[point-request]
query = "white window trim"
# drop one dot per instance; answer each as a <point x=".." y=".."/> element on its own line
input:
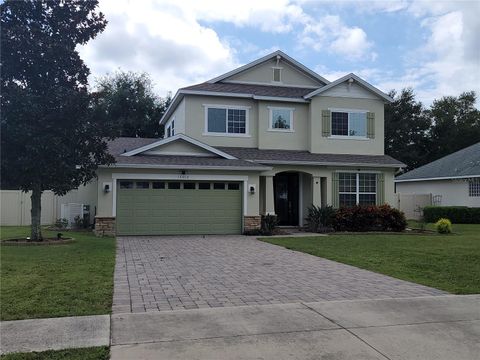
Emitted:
<point x="357" y="187"/>
<point x="348" y="111"/>
<point x="167" y="126"/>
<point x="270" y="119"/>
<point x="273" y="74"/>
<point x="227" y="107"/>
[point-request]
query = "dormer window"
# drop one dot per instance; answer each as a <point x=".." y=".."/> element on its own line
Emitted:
<point x="277" y="74"/>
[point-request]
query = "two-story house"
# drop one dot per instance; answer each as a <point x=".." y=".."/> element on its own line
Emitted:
<point x="271" y="137"/>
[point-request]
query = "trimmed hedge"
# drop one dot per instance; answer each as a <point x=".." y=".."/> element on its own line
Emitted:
<point x="456" y="214"/>
<point x="369" y="218"/>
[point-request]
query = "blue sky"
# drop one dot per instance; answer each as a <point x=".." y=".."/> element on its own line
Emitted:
<point x="431" y="46"/>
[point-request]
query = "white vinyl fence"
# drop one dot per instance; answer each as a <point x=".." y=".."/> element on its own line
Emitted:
<point x="412" y="204"/>
<point x="15" y="207"/>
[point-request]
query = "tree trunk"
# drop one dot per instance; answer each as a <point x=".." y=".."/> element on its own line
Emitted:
<point x="36" y="212"/>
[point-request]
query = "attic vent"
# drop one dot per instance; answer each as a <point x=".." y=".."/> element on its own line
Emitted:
<point x="277" y="74"/>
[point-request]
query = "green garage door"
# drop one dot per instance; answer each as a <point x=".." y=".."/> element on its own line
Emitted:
<point x="173" y="207"/>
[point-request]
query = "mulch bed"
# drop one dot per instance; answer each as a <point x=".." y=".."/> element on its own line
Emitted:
<point x="46" y="241"/>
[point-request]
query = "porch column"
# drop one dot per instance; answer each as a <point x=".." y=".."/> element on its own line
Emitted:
<point x="269" y="196"/>
<point x="316" y="191"/>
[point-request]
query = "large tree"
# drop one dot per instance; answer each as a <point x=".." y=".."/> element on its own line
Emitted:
<point x="49" y="138"/>
<point x="406" y="129"/>
<point x="128" y="100"/>
<point x="455" y="124"/>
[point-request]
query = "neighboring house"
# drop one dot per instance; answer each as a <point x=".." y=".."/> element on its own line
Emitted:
<point x="271" y="137"/>
<point x="453" y="180"/>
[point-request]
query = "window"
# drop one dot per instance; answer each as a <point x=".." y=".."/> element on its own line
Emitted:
<point x="226" y="120"/>
<point x="277" y="75"/>
<point x="357" y="189"/>
<point x="349" y="123"/>
<point x="219" y="186"/>
<point x="281" y="119"/>
<point x="204" y="186"/>
<point x="172" y="128"/>
<point x="174" y="185"/>
<point x="169" y="131"/>
<point x="142" y="185"/>
<point x="233" y="186"/>
<point x="158" y="185"/>
<point x="126" y="184"/>
<point x="474" y="187"/>
<point x="189" y="185"/>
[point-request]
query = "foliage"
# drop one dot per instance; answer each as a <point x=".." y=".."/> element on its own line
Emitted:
<point x="443" y="226"/>
<point x="93" y="353"/>
<point x="456" y="214"/>
<point x="406" y="126"/>
<point x="320" y="219"/>
<point x="49" y="136"/>
<point x="447" y="262"/>
<point x="56" y="280"/>
<point x="61" y="223"/>
<point x="416" y="135"/>
<point x="369" y="218"/>
<point x="127" y="99"/>
<point x="268" y="224"/>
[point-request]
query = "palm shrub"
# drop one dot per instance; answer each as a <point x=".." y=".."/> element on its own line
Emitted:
<point x="320" y="219"/>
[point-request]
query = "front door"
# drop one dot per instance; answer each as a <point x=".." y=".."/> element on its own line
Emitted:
<point x="286" y="198"/>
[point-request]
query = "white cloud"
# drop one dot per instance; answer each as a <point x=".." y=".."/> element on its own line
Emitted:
<point x="331" y="34"/>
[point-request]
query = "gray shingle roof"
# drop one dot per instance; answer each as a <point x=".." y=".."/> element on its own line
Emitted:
<point x="465" y="162"/>
<point x="291" y="156"/>
<point x="258" y="90"/>
<point x="246" y="157"/>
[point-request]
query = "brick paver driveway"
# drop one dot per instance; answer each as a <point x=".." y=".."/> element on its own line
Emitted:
<point x="156" y="273"/>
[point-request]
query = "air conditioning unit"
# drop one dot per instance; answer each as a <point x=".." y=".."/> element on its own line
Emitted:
<point x="71" y="210"/>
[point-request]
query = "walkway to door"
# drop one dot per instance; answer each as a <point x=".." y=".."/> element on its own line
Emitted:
<point x="157" y="273"/>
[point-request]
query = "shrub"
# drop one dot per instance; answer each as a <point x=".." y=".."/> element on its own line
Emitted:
<point x="369" y="218"/>
<point x="320" y="219"/>
<point x="268" y="224"/>
<point x="443" y="226"/>
<point x="456" y="214"/>
<point x="61" y="223"/>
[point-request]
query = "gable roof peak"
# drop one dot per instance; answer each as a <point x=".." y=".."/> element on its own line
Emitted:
<point x="267" y="57"/>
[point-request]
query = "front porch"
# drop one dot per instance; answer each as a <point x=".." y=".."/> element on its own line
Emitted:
<point x="289" y="193"/>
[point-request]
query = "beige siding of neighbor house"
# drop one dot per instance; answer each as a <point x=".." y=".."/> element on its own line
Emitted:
<point x="286" y="140"/>
<point x="453" y="192"/>
<point x="105" y="176"/>
<point x="263" y="74"/>
<point x="320" y="144"/>
<point x="195" y="126"/>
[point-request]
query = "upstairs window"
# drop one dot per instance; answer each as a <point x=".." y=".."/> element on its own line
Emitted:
<point x="349" y="123"/>
<point x="277" y="75"/>
<point x="281" y="119"/>
<point x="226" y="120"/>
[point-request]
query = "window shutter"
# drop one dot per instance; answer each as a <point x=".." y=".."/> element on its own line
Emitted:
<point x="371" y="125"/>
<point x="326" y="123"/>
<point x="380" y="189"/>
<point x="335" y="190"/>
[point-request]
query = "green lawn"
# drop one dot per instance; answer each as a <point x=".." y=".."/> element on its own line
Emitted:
<point x="94" y="353"/>
<point x="56" y="280"/>
<point x="447" y="262"/>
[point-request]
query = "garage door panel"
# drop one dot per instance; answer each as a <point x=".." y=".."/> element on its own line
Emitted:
<point x="178" y="211"/>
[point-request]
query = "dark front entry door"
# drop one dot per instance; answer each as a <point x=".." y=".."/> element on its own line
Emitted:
<point x="286" y="198"/>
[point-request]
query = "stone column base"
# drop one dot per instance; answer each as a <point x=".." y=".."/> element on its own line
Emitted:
<point x="251" y="222"/>
<point x="104" y="226"/>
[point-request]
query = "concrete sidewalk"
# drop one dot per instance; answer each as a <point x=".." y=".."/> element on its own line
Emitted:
<point x="437" y="327"/>
<point x="445" y="327"/>
<point x="54" y="333"/>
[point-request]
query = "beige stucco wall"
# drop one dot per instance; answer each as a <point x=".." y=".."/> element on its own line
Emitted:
<point x="272" y="139"/>
<point x="321" y="144"/>
<point x="105" y="200"/>
<point x="195" y="126"/>
<point x="85" y="194"/>
<point x="178" y="147"/>
<point x="263" y="73"/>
<point x="453" y="192"/>
<point x="179" y="117"/>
